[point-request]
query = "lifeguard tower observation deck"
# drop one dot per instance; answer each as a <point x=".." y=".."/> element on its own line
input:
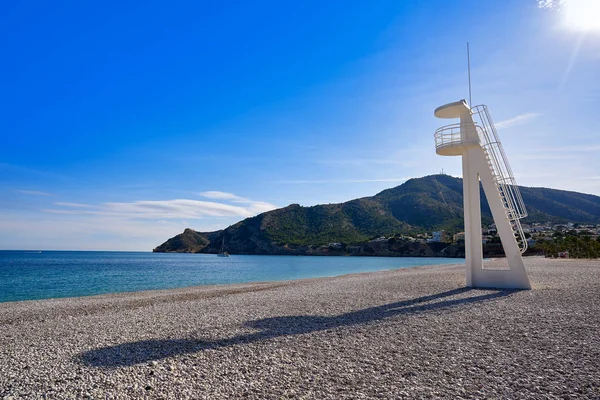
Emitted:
<point x="483" y="160"/>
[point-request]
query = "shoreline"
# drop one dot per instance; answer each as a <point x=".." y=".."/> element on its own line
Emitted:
<point x="205" y="277"/>
<point x="411" y="332"/>
<point x="224" y="288"/>
<point x="168" y="290"/>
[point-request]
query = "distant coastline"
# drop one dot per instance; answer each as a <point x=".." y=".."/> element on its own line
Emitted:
<point x="423" y="217"/>
<point x="376" y="248"/>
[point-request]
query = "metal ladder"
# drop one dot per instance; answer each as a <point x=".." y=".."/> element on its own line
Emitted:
<point x="504" y="179"/>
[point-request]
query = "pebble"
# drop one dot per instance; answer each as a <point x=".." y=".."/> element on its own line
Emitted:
<point x="410" y="333"/>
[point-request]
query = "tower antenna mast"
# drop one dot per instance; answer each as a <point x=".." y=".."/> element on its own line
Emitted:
<point x="469" y="73"/>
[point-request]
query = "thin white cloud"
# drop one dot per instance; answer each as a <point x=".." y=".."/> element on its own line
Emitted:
<point x="86" y="232"/>
<point x="550" y="4"/>
<point x="567" y="149"/>
<point x="165" y="209"/>
<point x="360" y="161"/>
<point x="518" y="120"/>
<point x="539" y="156"/>
<point x="216" y="195"/>
<point x="68" y="204"/>
<point x="251" y="206"/>
<point x="34" y="192"/>
<point x="258" y="207"/>
<point x="179" y="208"/>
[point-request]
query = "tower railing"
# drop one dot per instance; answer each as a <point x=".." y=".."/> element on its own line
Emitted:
<point x="447" y="135"/>
<point x="508" y="190"/>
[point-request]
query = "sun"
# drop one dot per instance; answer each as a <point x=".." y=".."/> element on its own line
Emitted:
<point x="582" y="15"/>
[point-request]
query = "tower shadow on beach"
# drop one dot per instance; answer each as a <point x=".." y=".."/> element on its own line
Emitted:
<point x="128" y="354"/>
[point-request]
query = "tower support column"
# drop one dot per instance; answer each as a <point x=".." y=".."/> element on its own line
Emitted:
<point x="472" y="209"/>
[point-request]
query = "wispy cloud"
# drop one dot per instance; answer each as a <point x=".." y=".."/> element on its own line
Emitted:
<point x="539" y="157"/>
<point x="135" y="225"/>
<point x="359" y="161"/>
<point x="550" y="4"/>
<point x="67" y="204"/>
<point x="518" y="120"/>
<point x="216" y="195"/>
<point x="179" y="208"/>
<point x="567" y="149"/>
<point x="87" y="232"/>
<point x="253" y="206"/>
<point x="164" y="209"/>
<point x="34" y="192"/>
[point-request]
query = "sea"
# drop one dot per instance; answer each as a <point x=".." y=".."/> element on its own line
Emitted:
<point x="34" y="275"/>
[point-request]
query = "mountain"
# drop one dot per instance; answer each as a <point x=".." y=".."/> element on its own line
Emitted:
<point x="419" y="205"/>
<point x="189" y="241"/>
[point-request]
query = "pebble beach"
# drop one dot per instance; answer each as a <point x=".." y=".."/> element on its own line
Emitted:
<point x="407" y="333"/>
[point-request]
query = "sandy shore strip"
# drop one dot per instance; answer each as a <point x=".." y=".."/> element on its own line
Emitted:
<point x="407" y="333"/>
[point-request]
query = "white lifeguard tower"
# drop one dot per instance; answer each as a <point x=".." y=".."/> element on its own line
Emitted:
<point x="483" y="159"/>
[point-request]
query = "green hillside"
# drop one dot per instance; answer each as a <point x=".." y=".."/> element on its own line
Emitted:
<point x="349" y="222"/>
<point x="189" y="241"/>
<point x="419" y="205"/>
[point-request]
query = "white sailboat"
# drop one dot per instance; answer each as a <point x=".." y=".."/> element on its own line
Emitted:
<point x="223" y="253"/>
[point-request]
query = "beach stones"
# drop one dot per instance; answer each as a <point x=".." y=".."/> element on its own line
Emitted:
<point x="414" y="333"/>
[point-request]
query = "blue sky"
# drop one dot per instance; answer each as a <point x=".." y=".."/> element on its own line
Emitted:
<point x="122" y="123"/>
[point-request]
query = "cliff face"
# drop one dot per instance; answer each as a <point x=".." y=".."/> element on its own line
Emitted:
<point x="419" y="205"/>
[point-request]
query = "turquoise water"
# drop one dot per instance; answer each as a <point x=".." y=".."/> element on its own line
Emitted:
<point x="27" y="275"/>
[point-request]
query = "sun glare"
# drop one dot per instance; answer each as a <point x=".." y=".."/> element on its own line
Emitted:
<point x="582" y="15"/>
